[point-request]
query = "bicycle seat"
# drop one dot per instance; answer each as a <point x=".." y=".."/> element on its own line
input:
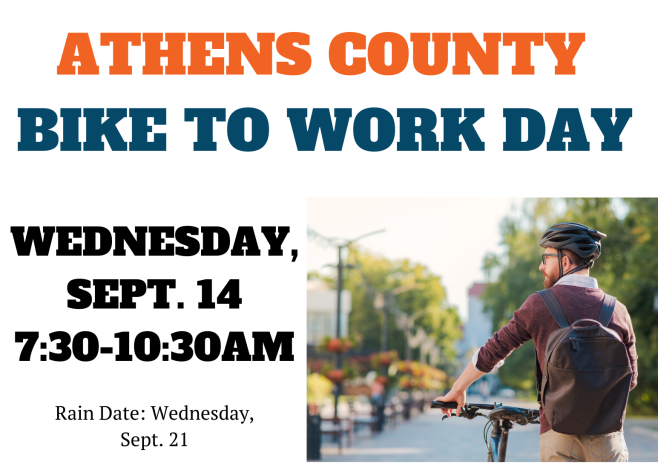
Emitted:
<point x="509" y="413"/>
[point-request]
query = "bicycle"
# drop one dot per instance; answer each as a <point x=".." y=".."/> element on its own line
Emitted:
<point x="501" y="421"/>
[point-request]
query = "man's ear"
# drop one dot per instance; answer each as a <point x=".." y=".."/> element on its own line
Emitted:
<point x="566" y="262"/>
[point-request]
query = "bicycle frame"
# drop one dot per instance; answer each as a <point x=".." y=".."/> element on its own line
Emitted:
<point x="494" y="444"/>
<point x="498" y="444"/>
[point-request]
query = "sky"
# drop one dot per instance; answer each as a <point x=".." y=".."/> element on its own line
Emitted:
<point x="450" y="236"/>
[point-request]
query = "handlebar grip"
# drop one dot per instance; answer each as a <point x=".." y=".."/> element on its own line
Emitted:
<point x="434" y="404"/>
<point x="534" y="413"/>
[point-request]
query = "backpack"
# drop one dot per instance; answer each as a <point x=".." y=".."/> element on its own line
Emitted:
<point x="587" y="378"/>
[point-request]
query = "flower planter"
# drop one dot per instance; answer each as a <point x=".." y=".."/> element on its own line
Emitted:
<point x="336" y="345"/>
<point x="336" y="376"/>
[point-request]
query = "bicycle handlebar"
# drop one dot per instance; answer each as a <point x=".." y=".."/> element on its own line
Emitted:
<point x="434" y="404"/>
<point x="482" y="406"/>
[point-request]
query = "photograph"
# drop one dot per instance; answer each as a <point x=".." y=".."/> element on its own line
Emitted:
<point x="519" y="329"/>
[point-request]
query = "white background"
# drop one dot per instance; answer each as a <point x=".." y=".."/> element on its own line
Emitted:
<point x="615" y="67"/>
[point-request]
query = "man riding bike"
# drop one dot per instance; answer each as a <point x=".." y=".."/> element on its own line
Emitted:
<point x="570" y="251"/>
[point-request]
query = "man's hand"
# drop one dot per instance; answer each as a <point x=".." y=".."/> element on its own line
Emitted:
<point x="458" y="392"/>
<point x="453" y="396"/>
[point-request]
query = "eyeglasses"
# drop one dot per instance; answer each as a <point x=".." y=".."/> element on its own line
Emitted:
<point x="543" y="257"/>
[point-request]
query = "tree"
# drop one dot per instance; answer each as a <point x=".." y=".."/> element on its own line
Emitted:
<point x="636" y="286"/>
<point x="367" y="275"/>
<point x="517" y="278"/>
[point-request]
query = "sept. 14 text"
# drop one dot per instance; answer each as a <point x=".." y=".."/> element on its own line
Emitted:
<point x="130" y="289"/>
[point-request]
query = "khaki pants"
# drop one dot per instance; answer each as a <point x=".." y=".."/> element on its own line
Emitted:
<point x="555" y="446"/>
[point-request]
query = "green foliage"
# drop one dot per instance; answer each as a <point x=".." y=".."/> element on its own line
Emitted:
<point x="518" y="277"/>
<point x="627" y="269"/>
<point x="412" y="289"/>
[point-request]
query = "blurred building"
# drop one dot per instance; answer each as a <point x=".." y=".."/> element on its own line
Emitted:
<point x="479" y="326"/>
<point x="321" y="312"/>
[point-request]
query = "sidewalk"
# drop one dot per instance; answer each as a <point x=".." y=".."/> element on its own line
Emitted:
<point x="426" y="438"/>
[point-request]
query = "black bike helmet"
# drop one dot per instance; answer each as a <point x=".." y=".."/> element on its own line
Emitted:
<point x="581" y="239"/>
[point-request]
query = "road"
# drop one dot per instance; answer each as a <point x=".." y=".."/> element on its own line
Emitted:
<point x="426" y="438"/>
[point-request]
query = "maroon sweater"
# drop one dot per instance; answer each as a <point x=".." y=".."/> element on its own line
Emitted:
<point x="534" y="321"/>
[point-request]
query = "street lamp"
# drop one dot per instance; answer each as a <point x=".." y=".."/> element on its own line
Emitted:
<point x="407" y="322"/>
<point x="382" y="302"/>
<point x="340" y="244"/>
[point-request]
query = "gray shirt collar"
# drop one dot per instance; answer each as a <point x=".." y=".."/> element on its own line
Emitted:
<point x="578" y="280"/>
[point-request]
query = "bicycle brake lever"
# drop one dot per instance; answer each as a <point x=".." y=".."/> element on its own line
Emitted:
<point x="465" y="414"/>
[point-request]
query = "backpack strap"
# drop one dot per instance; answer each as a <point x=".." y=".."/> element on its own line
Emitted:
<point x="554" y="307"/>
<point x="607" y="310"/>
<point x="538" y="377"/>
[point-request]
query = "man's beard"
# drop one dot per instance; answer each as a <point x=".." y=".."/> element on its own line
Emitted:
<point x="549" y="281"/>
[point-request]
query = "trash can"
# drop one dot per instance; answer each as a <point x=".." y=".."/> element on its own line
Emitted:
<point x="406" y="408"/>
<point x="313" y="436"/>
<point x="379" y="422"/>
